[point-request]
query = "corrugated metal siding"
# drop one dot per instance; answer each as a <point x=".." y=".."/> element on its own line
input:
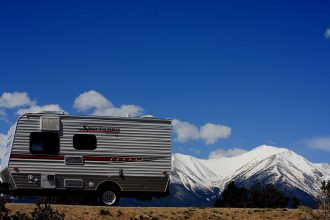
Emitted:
<point x="153" y="184"/>
<point x="138" y="138"/>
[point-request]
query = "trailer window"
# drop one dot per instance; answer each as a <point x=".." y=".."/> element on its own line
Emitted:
<point x="44" y="143"/>
<point x="84" y="141"/>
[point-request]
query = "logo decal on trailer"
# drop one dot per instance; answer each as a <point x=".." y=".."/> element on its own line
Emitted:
<point x="115" y="131"/>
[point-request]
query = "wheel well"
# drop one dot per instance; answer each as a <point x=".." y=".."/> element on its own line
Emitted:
<point x="106" y="184"/>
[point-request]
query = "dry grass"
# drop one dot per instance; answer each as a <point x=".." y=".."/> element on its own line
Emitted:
<point x="75" y="212"/>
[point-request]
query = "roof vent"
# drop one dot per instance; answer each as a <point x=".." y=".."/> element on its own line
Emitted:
<point x="50" y="123"/>
<point x="147" y="116"/>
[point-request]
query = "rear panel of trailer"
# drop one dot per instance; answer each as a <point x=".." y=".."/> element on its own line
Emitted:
<point x="135" y="153"/>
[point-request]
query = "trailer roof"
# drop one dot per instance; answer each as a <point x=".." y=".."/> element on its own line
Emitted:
<point x="64" y="115"/>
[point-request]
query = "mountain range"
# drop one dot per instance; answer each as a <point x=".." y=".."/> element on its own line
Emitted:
<point x="198" y="182"/>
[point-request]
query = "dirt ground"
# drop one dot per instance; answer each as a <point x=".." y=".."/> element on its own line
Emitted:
<point x="75" y="212"/>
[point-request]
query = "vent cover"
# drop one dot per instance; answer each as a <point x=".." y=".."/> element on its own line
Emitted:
<point x="73" y="160"/>
<point x="73" y="183"/>
<point x="48" y="123"/>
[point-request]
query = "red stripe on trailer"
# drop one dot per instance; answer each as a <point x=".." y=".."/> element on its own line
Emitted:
<point x="86" y="158"/>
<point x="91" y="158"/>
<point x="27" y="156"/>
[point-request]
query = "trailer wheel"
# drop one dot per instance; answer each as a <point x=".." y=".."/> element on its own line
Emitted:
<point x="109" y="197"/>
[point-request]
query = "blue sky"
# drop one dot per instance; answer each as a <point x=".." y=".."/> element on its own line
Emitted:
<point x="260" y="68"/>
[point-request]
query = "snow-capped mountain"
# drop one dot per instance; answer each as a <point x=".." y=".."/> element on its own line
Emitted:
<point x="265" y="164"/>
<point x="198" y="182"/>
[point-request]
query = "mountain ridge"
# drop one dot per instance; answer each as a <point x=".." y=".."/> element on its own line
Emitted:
<point x="198" y="182"/>
<point x="283" y="165"/>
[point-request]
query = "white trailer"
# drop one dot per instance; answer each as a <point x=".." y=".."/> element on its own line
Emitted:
<point x="108" y="157"/>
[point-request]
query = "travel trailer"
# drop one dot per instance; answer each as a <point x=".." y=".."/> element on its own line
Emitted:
<point x="56" y="154"/>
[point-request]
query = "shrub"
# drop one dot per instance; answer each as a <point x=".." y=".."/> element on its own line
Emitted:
<point x="295" y="202"/>
<point x="3" y="209"/>
<point x="20" y="216"/>
<point x="41" y="212"/>
<point x="258" y="196"/>
<point x="104" y="212"/>
<point x="120" y="213"/>
<point x="232" y="196"/>
<point x="44" y="212"/>
<point x="323" y="199"/>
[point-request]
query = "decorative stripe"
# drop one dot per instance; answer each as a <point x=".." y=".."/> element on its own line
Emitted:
<point x="86" y="158"/>
<point x="27" y="156"/>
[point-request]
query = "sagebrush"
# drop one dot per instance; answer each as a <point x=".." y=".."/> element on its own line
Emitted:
<point x="42" y="211"/>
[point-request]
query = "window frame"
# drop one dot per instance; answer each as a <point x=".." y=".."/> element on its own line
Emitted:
<point x="50" y="151"/>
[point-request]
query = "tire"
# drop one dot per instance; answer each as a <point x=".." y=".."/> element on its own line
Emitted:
<point x="108" y="197"/>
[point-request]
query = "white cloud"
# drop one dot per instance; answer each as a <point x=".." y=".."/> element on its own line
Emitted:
<point x="122" y="111"/>
<point x="320" y="143"/>
<point x="93" y="100"/>
<point x="185" y="131"/>
<point x="220" y="153"/>
<point x="327" y="33"/>
<point x="15" y="99"/>
<point x="193" y="150"/>
<point x="3" y="116"/>
<point x="210" y="133"/>
<point x="22" y="102"/>
<point x="37" y="108"/>
<point x="3" y="140"/>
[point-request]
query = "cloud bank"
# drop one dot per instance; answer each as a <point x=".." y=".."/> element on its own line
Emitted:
<point x="37" y="108"/>
<point x="221" y="153"/>
<point x="320" y="143"/>
<point x="3" y="115"/>
<point x="327" y="33"/>
<point x="23" y="103"/>
<point x="15" y="99"/>
<point x="209" y="133"/>
<point x="185" y="131"/>
<point x="93" y="100"/>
